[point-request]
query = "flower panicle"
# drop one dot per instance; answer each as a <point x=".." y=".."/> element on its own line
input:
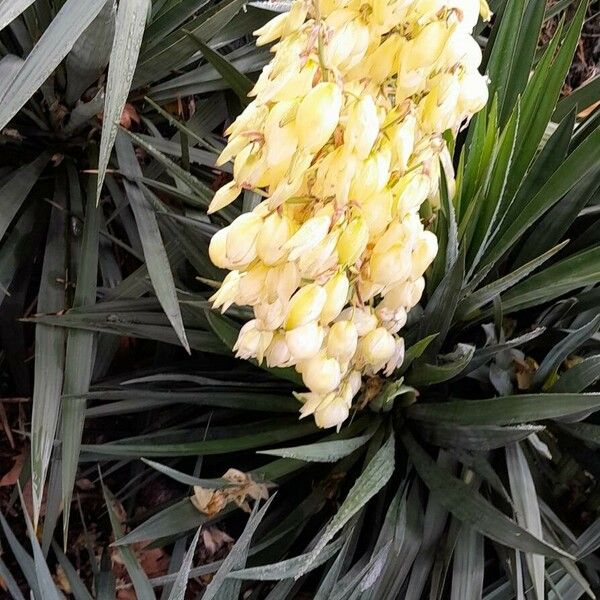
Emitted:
<point x="344" y="140"/>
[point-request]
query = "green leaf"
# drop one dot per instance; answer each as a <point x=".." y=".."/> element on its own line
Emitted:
<point x="71" y="21"/>
<point x="493" y="201"/>
<point x="579" y="377"/>
<point x="152" y="243"/>
<point x="580" y="99"/>
<point x="11" y="9"/>
<point x="468" y="565"/>
<point x="46" y="587"/>
<point x="586" y="432"/>
<point x="557" y="221"/>
<point x="415" y="351"/>
<point x="423" y="374"/>
<point x="177" y="47"/>
<point x="187" y="479"/>
<point x="239" y="551"/>
<point x="506" y="410"/>
<point x="474" y="438"/>
<point x="470" y="507"/>
<point x="567" y="346"/>
<point x="239" y="83"/>
<point x="105" y="581"/>
<point x="91" y="53"/>
<point x="130" y="25"/>
<point x="180" y="585"/>
<point x="527" y="509"/>
<point x="324" y="451"/>
<point x="289" y="568"/>
<point x="504" y="58"/>
<point x="140" y="582"/>
<point x="16" y="189"/>
<point x="233" y="444"/>
<point x="14" y="250"/>
<point x="374" y="477"/>
<point x="574" y="272"/>
<point x="466" y="309"/>
<point x="9" y="581"/>
<point x="49" y="352"/>
<point x="23" y="559"/>
<point x="78" y="589"/>
<point x="79" y="360"/>
<point x="203" y="194"/>
<point x="439" y="312"/>
<point x="578" y="165"/>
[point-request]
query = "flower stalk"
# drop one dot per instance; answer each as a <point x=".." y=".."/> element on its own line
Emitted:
<point x="344" y="139"/>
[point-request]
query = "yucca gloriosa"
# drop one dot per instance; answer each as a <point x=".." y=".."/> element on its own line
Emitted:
<point x="499" y="359"/>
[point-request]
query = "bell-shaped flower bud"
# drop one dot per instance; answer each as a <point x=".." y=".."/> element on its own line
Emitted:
<point x="224" y="196"/>
<point x="252" y="341"/>
<point x="377" y="347"/>
<point x="278" y="353"/>
<point x="241" y="239"/>
<point x="227" y="294"/>
<point x="305" y="341"/>
<point x="310" y="234"/>
<point x="353" y="241"/>
<point x="332" y="412"/>
<point x="342" y="340"/>
<point x="321" y="374"/>
<point x="337" y="289"/>
<point x="423" y="254"/>
<point x="252" y="284"/>
<point x="362" y="318"/>
<point x="362" y="127"/>
<point x="274" y="234"/>
<point x="305" y="306"/>
<point x="318" y="115"/>
<point x="217" y="249"/>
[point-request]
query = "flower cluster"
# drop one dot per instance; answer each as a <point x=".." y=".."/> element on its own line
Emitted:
<point x="344" y="141"/>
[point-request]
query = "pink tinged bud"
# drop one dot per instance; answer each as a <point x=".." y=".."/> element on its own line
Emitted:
<point x="305" y="341"/>
<point x="278" y="353"/>
<point x="396" y="359"/>
<point x="362" y="318"/>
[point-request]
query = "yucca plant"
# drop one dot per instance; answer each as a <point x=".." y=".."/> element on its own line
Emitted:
<point x="452" y="480"/>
